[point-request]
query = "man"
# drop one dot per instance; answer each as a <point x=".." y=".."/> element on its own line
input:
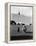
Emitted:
<point x="25" y="29"/>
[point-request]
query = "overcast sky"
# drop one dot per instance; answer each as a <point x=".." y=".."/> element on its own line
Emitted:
<point x="27" y="11"/>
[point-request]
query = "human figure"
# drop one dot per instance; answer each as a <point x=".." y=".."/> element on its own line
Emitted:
<point x="18" y="29"/>
<point x="25" y="29"/>
<point x="19" y="13"/>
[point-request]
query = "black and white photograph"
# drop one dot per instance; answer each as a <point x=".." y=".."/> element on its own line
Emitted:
<point x="21" y="22"/>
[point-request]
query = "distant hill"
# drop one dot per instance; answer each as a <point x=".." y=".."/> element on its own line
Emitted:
<point x="21" y="18"/>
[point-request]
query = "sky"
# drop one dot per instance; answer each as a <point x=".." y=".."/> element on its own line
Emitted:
<point x="25" y="14"/>
<point x="26" y="11"/>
